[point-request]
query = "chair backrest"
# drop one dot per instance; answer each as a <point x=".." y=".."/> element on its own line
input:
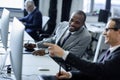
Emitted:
<point x="45" y="19"/>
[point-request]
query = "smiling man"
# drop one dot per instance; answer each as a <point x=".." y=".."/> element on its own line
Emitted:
<point x="108" y="68"/>
<point x="72" y="36"/>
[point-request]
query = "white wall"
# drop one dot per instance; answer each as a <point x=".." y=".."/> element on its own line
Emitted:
<point x="44" y="7"/>
<point x="76" y="5"/>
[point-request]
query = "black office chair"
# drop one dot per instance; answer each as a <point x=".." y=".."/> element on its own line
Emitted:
<point x="43" y="34"/>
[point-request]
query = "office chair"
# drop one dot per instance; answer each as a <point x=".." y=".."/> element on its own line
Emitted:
<point x="102" y="17"/>
<point x="42" y="34"/>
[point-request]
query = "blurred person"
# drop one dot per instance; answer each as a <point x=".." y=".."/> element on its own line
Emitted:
<point x="33" y="21"/>
<point x="107" y="68"/>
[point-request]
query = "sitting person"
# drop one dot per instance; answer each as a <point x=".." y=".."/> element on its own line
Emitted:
<point x="108" y="67"/>
<point x="33" y="21"/>
<point x="76" y="42"/>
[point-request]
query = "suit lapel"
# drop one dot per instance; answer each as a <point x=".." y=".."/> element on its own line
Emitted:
<point x="111" y="54"/>
<point x="62" y="33"/>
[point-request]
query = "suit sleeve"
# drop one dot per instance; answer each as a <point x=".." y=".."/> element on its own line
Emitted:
<point x="108" y="68"/>
<point x="37" y="21"/>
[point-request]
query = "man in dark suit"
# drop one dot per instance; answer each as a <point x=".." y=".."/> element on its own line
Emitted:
<point x="109" y="66"/>
<point x="33" y="21"/>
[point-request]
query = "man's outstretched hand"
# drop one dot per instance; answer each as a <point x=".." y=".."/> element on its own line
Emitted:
<point x="54" y="50"/>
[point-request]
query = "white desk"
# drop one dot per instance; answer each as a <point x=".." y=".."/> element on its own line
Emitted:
<point x="96" y="28"/>
<point x="31" y="64"/>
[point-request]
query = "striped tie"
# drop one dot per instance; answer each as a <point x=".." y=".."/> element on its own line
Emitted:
<point x="105" y="56"/>
<point x="64" y="40"/>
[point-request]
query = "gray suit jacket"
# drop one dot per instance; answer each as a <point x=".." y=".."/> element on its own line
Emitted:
<point x="77" y="42"/>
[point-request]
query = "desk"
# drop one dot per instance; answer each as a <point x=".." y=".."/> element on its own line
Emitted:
<point x="31" y="64"/>
<point x="96" y="28"/>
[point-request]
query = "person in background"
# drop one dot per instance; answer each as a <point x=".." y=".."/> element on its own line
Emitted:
<point x="33" y="21"/>
<point x="71" y="36"/>
<point x="108" y="67"/>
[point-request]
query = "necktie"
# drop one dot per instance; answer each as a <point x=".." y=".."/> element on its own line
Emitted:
<point x="64" y="40"/>
<point x="105" y="56"/>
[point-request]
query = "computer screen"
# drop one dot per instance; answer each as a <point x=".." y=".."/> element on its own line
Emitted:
<point x="16" y="47"/>
<point x="4" y="25"/>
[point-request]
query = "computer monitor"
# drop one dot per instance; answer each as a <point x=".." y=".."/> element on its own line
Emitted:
<point x="4" y="25"/>
<point x="16" y="47"/>
<point x="103" y="16"/>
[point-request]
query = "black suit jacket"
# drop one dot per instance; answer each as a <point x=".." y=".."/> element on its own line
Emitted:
<point x="33" y="22"/>
<point x="109" y="70"/>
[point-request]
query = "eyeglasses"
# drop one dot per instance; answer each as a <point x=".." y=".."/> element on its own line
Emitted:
<point x="115" y="29"/>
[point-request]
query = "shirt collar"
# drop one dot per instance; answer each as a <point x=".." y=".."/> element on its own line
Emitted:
<point x="114" y="48"/>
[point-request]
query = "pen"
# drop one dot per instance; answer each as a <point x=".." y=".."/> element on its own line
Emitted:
<point x="59" y="70"/>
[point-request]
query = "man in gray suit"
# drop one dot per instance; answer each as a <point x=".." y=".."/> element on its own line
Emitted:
<point x="77" y="42"/>
<point x="108" y="67"/>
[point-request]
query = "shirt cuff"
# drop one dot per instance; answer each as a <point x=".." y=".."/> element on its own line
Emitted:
<point x="65" y="55"/>
<point x="70" y="75"/>
<point x="46" y="51"/>
<point x="36" y="45"/>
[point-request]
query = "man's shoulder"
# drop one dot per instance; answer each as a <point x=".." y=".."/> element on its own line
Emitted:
<point x="37" y="11"/>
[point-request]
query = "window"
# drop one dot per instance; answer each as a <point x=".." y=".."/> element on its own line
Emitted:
<point x="93" y="6"/>
<point x="115" y="8"/>
<point x="86" y="5"/>
<point x="17" y="4"/>
<point x="99" y="4"/>
<point x="115" y="3"/>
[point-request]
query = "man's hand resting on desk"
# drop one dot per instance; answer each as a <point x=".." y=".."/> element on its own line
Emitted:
<point x="39" y="52"/>
<point x="29" y="45"/>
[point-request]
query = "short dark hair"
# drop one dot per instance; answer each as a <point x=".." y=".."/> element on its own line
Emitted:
<point x="117" y="22"/>
<point x="81" y="13"/>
